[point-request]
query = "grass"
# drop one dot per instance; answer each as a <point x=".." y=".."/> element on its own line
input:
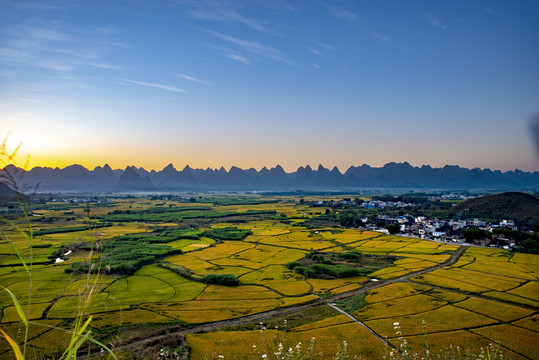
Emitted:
<point x="349" y="237"/>
<point x="234" y="261"/>
<point x="246" y="292"/>
<point x="17" y="332"/>
<point x="186" y="245"/>
<point x="502" y="268"/>
<point x="329" y="340"/>
<point x="335" y="320"/>
<point x="522" y="341"/>
<point x="394" y="291"/>
<point x="444" y="281"/>
<point x="530" y="323"/>
<point x="529" y="291"/>
<point x="444" y="345"/>
<point x="154" y="295"/>
<point x="69" y="341"/>
<point x="115" y="319"/>
<point x="284" y="256"/>
<point x="278" y="278"/>
<point x="67" y="307"/>
<point x="399" y="307"/>
<point x="416" y="265"/>
<point x="289" y="301"/>
<point x="123" y="255"/>
<point x="352" y="304"/>
<point x="212" y="310"/>
<point x="10" y="313"/>
<point x="521" y="258"/>
<point x="153" y="284"/>
<point x="450" y="297"/>
<point x="133" y="289"/>
<point x="223" y="250"/>
<point x="511" y="297"/>
<point x="434" y="258"/>
<point x="494" y="309"/>
<point x="322" y="286"/>
<point x="390" y="272"/>
<point x="259" y="253"/>
<point x="446" y="318"/>
<point x="47" y="284"/>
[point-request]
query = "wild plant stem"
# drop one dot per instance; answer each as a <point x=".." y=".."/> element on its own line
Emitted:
<point x="30" y="237"/>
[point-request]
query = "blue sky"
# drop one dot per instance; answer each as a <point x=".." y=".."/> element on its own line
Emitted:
<point x="261" y="83"/>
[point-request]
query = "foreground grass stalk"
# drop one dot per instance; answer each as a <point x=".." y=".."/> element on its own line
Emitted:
<point x="80" y="334"/>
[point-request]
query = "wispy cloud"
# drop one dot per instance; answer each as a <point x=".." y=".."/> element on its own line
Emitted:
<point x="52" y="47"/>
<point x="316" y="66"/>
<point x="317" y="49"/>
<point x="223" y="11"/>
<point x="158" y="86"/>
<point x="378" y="36"/>
<point x="192" y="78"/>
<point x="36" y="5"/>
<point x="314" y="51"/>
<point x="106" y="66"/>
<point x="435" y="21"/>
<point x="239" y="58"/>
<point x="44" y="34"/>
<point x="231" y="54"/>
<point x="324" y="46"/>
<point x="59" y="65"/>
<point x="254" y="47"/>
<point x="341" y="13"/>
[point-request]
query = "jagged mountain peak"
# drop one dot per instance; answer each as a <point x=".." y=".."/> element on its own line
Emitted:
<point x="392" y="175"/>
<point x="322" y="169"/>
<point x="169" y="168"/>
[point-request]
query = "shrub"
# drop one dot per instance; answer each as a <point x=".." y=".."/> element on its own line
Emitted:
<point x="350" y="255"/>
<point x="292" y="265"/>
<point x="338" y="271"/>
<point x="228" y="233"/>
<point x="221" y="279"/>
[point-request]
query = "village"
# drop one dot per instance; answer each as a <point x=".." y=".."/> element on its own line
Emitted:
<point x="456" y="231"/>
<point x="450" y="231"/>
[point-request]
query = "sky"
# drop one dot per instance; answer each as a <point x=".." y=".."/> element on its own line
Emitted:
<point x="257" y="83"/>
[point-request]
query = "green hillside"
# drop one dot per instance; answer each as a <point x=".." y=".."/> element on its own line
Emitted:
<point x="517" y="206"/>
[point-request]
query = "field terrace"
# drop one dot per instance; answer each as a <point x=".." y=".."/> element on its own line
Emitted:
<point x="484" y="296"/>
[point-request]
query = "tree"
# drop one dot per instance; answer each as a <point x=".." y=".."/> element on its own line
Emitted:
<point x="393" y="228"/>
<point x="473" y="233"/>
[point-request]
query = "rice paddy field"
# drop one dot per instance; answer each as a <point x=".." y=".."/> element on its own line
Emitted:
<point x="486" y="296"/>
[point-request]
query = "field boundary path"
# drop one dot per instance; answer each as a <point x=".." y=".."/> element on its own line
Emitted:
<point x="335" y="307"/>
<point x="473" y="295"/>
<point x="182" y="331"/>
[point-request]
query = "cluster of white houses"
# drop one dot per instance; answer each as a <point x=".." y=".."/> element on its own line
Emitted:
<point x="444" y="230"/>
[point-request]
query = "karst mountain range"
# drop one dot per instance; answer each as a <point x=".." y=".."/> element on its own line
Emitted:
<point x="76" y="178"/>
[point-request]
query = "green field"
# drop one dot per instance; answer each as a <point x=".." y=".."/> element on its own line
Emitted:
<point x="106" y="271"/>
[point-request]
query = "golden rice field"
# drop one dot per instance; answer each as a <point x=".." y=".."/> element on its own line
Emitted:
<point x="493" y="273"/>
<point x="328" y="339"/>
<point x="488" y="295"/>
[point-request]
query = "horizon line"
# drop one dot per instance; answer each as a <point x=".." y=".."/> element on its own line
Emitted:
<point x="314" y="168"/>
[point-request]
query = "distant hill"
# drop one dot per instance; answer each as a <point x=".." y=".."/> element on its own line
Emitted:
<point x="517" y="206"/>
<point x="131" y="181"/>
<point x="76" y="178"/>
<point x="5" y="191"/>
<point x="8" y="176"/>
